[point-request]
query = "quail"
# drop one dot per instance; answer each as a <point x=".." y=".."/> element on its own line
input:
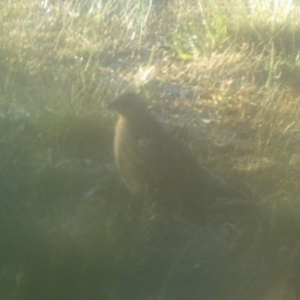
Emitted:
<point x="155" y="164"/>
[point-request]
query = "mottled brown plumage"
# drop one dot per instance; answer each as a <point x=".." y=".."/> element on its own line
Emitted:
<point x="155" y="164"/>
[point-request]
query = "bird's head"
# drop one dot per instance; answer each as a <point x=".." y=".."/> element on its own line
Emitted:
<point x="129" y="104"/>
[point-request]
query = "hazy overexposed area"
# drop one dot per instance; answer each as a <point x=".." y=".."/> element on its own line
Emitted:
<point x="222" y="77"/>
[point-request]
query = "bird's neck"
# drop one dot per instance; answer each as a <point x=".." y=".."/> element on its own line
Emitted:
<point x="144" y="124"/>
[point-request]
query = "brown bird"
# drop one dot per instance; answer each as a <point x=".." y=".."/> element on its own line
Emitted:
<point x="155" y="164"/>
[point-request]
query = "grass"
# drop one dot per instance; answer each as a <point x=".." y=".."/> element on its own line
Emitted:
<point x="222" y="76"/>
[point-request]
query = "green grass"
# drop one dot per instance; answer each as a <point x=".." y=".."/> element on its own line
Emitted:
<point x="223" y="76"/>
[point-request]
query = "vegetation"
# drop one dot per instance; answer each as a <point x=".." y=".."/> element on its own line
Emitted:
<point x="223" y="76"/>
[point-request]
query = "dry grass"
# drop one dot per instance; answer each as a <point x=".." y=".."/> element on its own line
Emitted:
<point x="222" y="76"/>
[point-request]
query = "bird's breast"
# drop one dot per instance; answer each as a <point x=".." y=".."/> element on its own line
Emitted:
<point x="134" y="154"/>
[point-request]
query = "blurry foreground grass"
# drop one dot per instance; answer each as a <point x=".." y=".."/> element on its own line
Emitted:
<point x="223" y="76"/>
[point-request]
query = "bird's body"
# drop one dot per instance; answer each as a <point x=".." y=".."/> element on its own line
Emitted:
<point x="153" y="163"/>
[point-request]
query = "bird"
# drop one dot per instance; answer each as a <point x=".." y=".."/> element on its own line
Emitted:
<point x="155" y="164"/>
